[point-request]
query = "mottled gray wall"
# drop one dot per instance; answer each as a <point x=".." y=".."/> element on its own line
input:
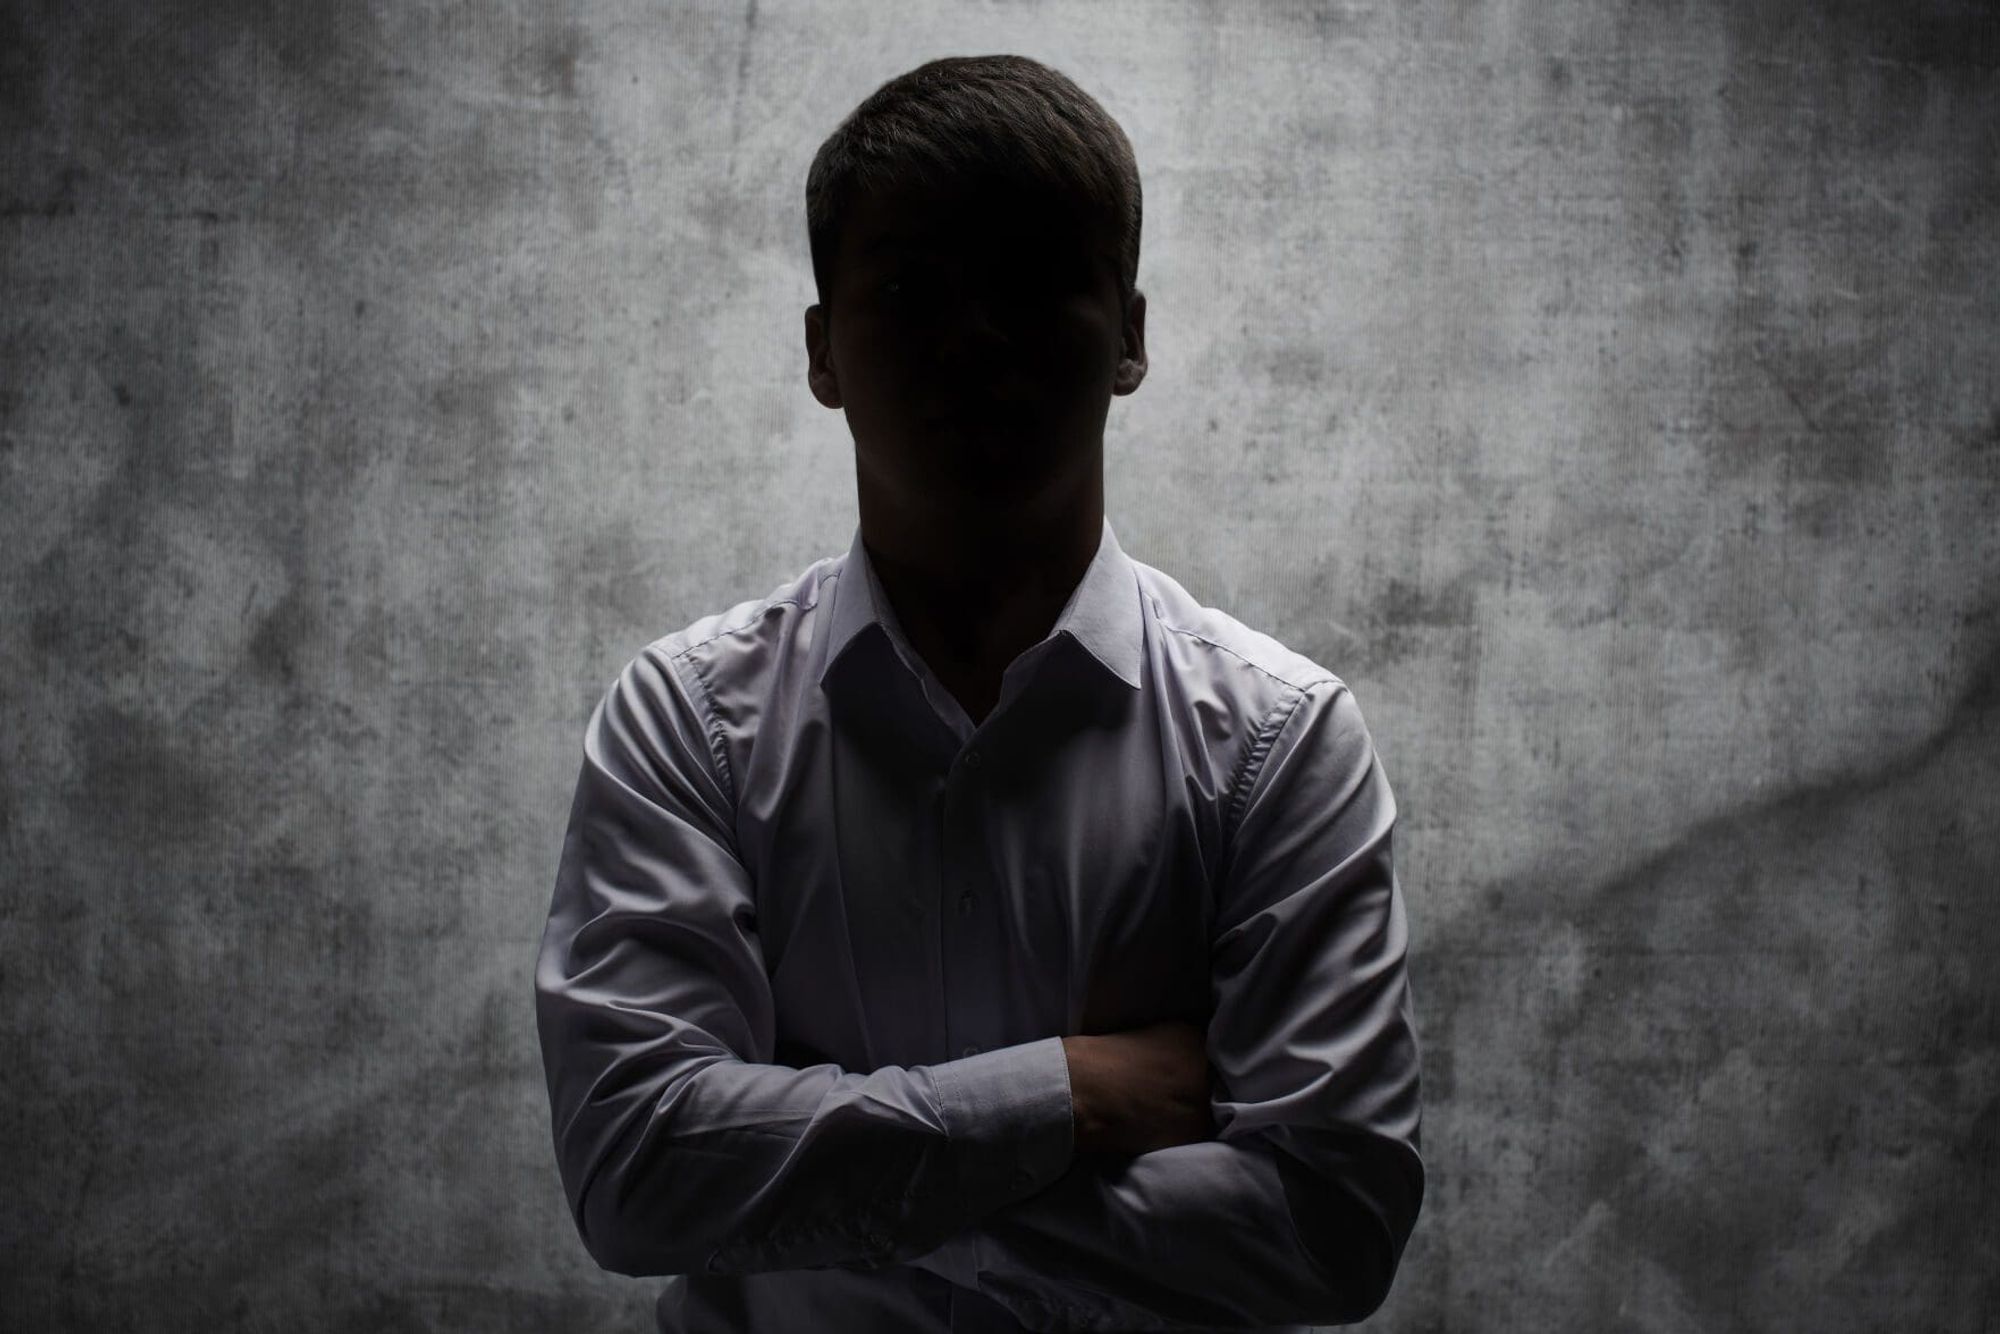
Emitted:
<point x="1606" y="390"/>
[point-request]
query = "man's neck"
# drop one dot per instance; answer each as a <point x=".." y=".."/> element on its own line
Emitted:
<point x="970" y="600"/>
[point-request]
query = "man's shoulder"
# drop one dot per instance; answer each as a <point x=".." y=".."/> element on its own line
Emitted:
<point x="1214" y="644"/>
<point x="738" y="632"/>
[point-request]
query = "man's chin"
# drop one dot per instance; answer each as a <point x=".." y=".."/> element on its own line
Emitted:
<point x="982" y="425"/>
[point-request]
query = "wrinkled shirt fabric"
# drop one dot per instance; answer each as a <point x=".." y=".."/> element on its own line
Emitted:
<point x="816" y="937"/>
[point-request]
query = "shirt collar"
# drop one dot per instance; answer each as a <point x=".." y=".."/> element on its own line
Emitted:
<point x="1101" y="616"/>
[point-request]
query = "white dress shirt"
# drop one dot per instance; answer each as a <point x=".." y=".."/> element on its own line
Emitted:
<point x="815" y="940"/>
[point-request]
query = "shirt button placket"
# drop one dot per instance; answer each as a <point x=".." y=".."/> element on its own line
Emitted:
<point x="961" y="802"/>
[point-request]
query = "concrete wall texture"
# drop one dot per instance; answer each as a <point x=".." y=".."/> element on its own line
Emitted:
<point x="1606" y="390"/>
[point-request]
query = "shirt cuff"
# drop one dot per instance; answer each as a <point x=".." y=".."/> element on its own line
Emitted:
<point x="958" y="1259"/>
<point x="1009" y="1118"/>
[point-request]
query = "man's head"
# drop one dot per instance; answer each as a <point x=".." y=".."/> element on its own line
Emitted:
<point x="974" y="226"/>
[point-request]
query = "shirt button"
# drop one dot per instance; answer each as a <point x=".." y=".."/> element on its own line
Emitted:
<point x="972" y="759"/>
<point x="970" y="1051"/>
<point x="1020" y="1181"/>
<point x="965" y="904"/>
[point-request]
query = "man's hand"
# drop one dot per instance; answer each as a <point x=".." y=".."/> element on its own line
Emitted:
<point x="1140" y="1090"/>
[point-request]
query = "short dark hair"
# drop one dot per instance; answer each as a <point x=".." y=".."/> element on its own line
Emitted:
<point x="963" y="119"/>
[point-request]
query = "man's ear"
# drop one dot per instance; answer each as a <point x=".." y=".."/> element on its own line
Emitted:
<point x="821" y="377"/>
<point x="1132" y="350"/>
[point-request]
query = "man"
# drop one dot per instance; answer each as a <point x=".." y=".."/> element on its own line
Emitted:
<point x="978" y="933"/>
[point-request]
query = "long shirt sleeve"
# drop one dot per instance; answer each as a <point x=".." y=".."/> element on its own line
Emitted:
<point x="682" y="1147"/>
<point x="1299" y="1210"/>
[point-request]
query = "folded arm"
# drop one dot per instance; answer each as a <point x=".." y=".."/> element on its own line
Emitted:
<point x="682" y="1147"/>
<point x="1298" y="1212"/>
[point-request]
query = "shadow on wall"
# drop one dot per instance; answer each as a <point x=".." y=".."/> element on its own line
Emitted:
<point x="1753" y="1078"/>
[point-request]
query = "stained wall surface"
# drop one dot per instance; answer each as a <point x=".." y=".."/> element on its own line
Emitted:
<point x="1607" y="391"/>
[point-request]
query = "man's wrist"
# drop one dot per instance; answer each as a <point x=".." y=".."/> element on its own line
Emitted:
<point x="1083" y="1110"/>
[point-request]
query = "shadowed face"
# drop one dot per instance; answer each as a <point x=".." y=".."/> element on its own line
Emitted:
<point x="975" y="342"/>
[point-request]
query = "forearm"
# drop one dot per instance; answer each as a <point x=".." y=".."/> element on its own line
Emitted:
<point x="750" y="1168"/>
<point x="1190" y="1237"/>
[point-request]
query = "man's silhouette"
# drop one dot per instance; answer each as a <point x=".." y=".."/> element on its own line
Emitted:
<point x="977" y="932"/>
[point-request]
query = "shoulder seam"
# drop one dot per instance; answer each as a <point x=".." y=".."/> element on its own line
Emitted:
<point x="1283" y="681"/>
<point x="718" y="752"/>
<point x="763" y="609"/>
<point x="1251" y="766"/>
<point x="1252" y="763"/>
